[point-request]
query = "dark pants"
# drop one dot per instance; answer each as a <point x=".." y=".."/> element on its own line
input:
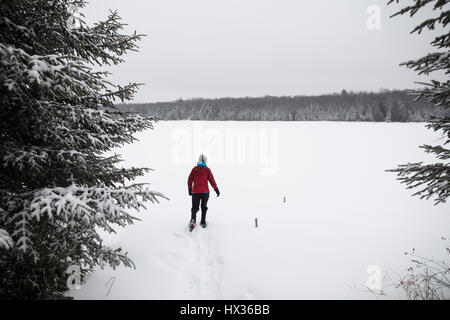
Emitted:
<point x="198" y="198"/>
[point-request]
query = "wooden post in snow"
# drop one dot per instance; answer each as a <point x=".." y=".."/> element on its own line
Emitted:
<point x="256" y="222"/>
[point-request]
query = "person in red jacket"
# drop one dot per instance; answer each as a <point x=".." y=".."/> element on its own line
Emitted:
<point x="198" y="189"/>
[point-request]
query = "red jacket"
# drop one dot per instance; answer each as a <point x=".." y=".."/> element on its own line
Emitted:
<point x="199" y="177"/>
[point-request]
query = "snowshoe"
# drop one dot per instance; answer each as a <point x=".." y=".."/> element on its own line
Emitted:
<point x="192" y="225"/>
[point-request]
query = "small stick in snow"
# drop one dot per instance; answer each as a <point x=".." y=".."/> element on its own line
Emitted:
<point x="112" y="282"/>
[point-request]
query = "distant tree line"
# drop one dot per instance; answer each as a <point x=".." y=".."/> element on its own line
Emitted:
<point x="395" y="106"/>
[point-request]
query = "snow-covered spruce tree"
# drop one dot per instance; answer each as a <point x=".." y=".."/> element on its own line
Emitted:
<point x="57" y="120"/>
<point x="432" y="180"/>
<point x="428" y="279"/>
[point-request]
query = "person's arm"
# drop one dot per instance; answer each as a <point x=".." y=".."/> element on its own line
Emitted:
<point x="213" y="182"/>
<point x="190" y="182"/>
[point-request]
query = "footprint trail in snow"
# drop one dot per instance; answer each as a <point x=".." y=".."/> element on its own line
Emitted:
<point x="205" y="265"/>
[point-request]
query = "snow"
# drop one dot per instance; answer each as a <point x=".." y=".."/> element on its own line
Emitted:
<point x="344" y="216"/>
<point x="5" y="239"/>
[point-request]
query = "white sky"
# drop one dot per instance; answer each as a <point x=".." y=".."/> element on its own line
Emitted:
<point x="233" y="48"/>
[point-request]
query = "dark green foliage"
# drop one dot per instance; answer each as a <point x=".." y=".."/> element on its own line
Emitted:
<point x="361" y="106"/>
<point x="433" y="180"/>
<point x="399" y="113"/>
<point x="379" y="112"/>
<point x="57" y="118"/>
<point x="25" y="278"/>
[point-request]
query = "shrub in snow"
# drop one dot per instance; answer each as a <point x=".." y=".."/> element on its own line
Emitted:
<point x="57" y="120"/>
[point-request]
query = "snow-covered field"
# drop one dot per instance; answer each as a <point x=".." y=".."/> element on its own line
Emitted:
<point x="342" y="212"/>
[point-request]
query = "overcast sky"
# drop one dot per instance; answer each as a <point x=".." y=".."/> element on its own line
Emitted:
<point x="234" y="48"/>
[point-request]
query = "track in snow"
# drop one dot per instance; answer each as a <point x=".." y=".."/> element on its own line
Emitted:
<point x="205" y="265"/>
